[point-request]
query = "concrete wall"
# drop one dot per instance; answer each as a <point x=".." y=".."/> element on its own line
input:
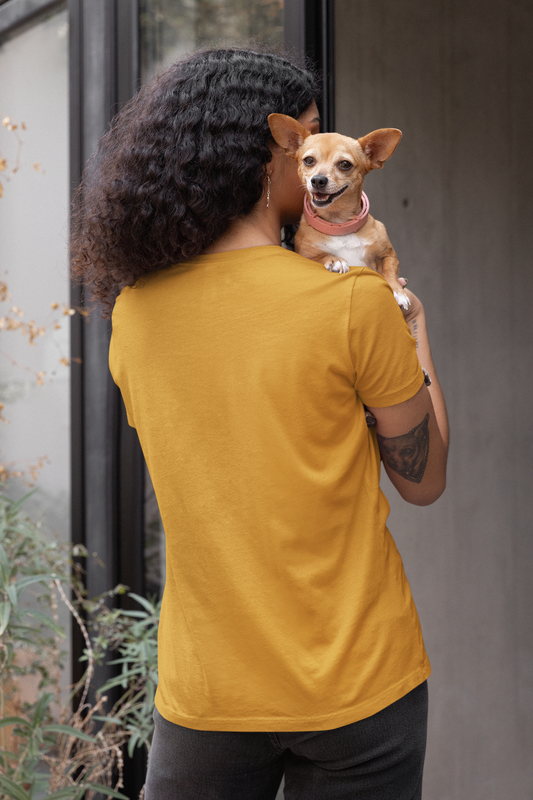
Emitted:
<point x="456" y="78"/>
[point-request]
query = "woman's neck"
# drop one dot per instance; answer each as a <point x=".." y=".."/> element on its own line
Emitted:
<point x="261" y="227"/>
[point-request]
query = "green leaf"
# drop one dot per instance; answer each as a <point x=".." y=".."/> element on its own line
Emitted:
<point x="29" y="579"/>
<point x="4" y="565"/>
<point x="120" y="680"/>
<point x="133" y="742"/>
<point x="5" y="613"/>
<point x="65" y="794"/>
<point x="14" y="721"/>
<point x="97" y="787"/>
<point x="70" y="731"/>
<point x="41" y="708"/>
<point x="113" y="720"/>
<point x="47" y="621"/>
<point x="12" y="594"/>
<point x="16" y="507"/>
<point x="13" y="790"/>
<point x="143" y="602"/>
<point x="134" y="614"/>
<point x="9" y="755"/>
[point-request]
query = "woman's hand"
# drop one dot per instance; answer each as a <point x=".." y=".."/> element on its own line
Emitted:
<point x="416" y="308"/>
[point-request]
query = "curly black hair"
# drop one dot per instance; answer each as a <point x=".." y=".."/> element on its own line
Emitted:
<point x="181" y="161"/>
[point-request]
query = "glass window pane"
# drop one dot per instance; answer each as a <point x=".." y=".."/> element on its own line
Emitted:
<point x="172" y="28"/>
<point x="34" y="377"/>
<point x="34" y="206"/>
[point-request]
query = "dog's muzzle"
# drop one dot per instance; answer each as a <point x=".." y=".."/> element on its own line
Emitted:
<point x="322" y="199"/>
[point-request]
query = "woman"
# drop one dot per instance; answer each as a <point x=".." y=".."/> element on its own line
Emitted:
<point x="289" y="641"/>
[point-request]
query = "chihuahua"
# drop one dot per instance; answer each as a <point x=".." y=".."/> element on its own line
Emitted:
<point x="336" y="229"/>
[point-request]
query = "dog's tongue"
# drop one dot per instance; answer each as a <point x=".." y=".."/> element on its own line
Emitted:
<point x="320" y="196"/>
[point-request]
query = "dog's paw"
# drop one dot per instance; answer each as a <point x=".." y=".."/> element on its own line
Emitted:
<point x="402" y="299"/>
<point x="337" y="265"/>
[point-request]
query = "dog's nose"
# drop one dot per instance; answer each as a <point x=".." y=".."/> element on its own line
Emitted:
<point x="319" y="181"/>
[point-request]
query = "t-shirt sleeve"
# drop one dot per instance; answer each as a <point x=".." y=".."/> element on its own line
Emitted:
<point x="117" y="346"/>
<point x="383" y="350"/>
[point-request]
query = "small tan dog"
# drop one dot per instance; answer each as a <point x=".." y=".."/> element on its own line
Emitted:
<point x="336" y="229"/>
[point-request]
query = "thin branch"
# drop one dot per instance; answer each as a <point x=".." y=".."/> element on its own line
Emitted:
<point x="90" y="658"/>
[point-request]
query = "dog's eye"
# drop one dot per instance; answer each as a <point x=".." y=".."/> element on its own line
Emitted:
<point x="309" y="161"/>
<point x="345" y="165"/>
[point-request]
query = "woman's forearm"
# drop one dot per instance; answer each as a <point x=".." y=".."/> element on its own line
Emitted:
<point x="416" y="319"/>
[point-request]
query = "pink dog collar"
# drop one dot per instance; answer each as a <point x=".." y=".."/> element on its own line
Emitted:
<point x="336" y="228"/>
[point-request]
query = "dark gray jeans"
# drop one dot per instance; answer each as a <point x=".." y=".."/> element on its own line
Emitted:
<point x="378" y="758"/>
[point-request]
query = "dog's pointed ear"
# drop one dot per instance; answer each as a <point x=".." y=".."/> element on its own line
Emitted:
<point x="287" y="132"/>
<point x="379" y="145"/>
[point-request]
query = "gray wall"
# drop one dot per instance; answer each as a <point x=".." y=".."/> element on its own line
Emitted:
<point x="456" y="200"/>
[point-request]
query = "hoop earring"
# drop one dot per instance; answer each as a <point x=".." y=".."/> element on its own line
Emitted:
<point x="268" y="190"/>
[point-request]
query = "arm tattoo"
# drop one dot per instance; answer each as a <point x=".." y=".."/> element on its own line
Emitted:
<point x="408" y="454"/>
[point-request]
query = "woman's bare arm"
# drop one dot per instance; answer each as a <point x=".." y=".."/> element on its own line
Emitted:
<point x="413" y="436"/>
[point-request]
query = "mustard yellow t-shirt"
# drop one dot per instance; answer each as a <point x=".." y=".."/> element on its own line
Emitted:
<point x="286" y="607"/>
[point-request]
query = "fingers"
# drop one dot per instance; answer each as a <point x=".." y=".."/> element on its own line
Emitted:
<point x="370" y="418"/>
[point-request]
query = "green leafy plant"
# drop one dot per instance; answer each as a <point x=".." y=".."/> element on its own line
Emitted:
<point x="55" y="750"/>
<point x="133" y="634"/>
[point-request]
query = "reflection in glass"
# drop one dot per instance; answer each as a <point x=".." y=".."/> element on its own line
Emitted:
<point x="172" y="28"/>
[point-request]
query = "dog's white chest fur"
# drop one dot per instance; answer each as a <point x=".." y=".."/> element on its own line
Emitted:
<point x="350" y="247"/>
